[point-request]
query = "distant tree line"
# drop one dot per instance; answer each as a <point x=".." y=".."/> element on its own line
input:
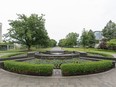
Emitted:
<point x="69" y="41"/>
<point x="87" y="38"/>
<point x="30" y="31"/>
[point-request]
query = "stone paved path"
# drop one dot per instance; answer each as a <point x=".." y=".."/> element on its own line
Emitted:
<point x="57" y="72"/>
<point x="105" y="79"/>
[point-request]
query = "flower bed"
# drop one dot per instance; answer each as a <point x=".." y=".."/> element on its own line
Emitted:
<point x="57" y="63"/>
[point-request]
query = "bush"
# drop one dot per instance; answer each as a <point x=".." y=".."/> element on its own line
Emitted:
<point x="85" y="68"/>
<point x="31" y="69"/>
<point x="112" y="44"/>
<point x="103" y="45"/>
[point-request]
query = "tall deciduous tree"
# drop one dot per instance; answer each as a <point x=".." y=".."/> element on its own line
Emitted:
<point x="52" y="43"/>
<point x="28" y="30"/>
<point x="84" y="38"/>
<point x="88" y="38"/>
<point x="71" y="39"/>
<point x="109" y="30"/>
<point x="62" y="43"/>
<point x="91" y="38"/>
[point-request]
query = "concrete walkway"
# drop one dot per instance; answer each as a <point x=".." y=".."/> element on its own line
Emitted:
<point x="105" y="79"/>
<point x="114" y="55"/>
<point x="57" y="49"/>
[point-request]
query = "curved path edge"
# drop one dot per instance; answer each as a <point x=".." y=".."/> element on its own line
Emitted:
<point x="104" y="79"/>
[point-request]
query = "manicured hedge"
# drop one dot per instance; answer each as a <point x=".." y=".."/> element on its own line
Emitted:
<point x="86" y="68"/>
<point x="31" y="69"/>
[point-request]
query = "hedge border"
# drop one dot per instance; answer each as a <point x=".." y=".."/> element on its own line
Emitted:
<point x="86" y="68"/>
<point x="29" y="69"/>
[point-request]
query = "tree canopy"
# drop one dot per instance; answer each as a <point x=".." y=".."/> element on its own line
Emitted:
<point x="62" y="43"/>
<point x="52" y="43"/>
<point x="91" y="38"/>
<point x="84" y="38"/>
<point x="109" y="30"/>
<point x="88" y="38"/>
<point x="70" y="40"/>
<point x="28" y="30"/>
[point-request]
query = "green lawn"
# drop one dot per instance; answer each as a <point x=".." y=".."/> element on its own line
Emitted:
<point x="107" y="53"/>
<point x="10" y="53"/>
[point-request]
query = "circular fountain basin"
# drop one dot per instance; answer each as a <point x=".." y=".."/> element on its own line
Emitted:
<point x="56" y="55"/>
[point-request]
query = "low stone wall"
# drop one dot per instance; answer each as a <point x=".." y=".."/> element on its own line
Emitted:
<point x="12" y="58"/>
<point x="30" y="54"/>
<point x="105" y="58"/>
<point x="81" y="54"/>
<point x="62" y="56"/>
<point x="21" y="58"/>
<point x="1" y="64"/>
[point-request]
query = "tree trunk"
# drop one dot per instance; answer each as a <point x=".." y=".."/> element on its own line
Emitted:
<point x="29" y="47"/>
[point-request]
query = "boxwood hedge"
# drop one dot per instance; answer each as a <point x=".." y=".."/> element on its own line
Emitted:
<point x="85" y="68"/>
<point x="31" y="69"/>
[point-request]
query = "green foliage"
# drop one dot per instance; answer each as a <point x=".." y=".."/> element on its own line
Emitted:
<point x="56" y="63"/>
<point x="91" y="39"/>
<point x="112" y="44"/>
<point x="103" y="44"/>
<point x="101" y="54"/>
<point x="52" y="43"/>
<point x="105" y="53"/>
<point x="84" y="38"/>
<point x="70" y="40"/>
<point x="109" y="30"/>
<point x="28" y="30"/>
<point x="85" y="68"/>
<point x="26" y="68"/>
<point x="88" y="38"/>
<point x="62" y="43"/>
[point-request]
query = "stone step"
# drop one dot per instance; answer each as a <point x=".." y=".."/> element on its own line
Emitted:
<point x="57" y="72"/>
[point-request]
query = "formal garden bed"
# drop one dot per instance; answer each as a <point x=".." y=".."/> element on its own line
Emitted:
<point x="71" y="67"/>
<point x="56" y="62"/>
<point x="80" y="64"/>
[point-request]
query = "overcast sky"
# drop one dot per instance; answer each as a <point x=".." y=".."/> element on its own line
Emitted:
<point x="62" y="16"/>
